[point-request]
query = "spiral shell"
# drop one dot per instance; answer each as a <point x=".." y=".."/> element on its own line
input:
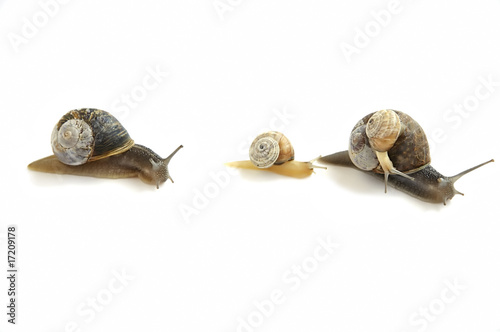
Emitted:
<point x="360" y="150"/>
<point x="383" y="129"/>
<point x="88" y="134"/>
<point x="391" y="131"/>
<point x="271" y="148"/>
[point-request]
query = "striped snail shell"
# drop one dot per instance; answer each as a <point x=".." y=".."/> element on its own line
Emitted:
<point x="271" y="148"/>
<point x="87" y="135"/>
<point x="389" y="142"/>
<point x="273" y="152"/>
<point x="92" y="142"/>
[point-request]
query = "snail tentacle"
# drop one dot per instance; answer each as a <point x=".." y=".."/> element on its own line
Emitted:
<point x="311" y="163"/>
<point x="388" y="167"/>
<point x="273" y="152"/>
<point x="92" y="142"/>
<point x="427" y="185"/>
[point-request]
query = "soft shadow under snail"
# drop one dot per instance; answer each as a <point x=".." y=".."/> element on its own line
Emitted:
<point x="92" y="142"/>
<point x="393" y="147"/>
<point x="273" y="152"/>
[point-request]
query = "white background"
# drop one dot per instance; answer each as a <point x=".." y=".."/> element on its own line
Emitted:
<point x="230" y="72"/>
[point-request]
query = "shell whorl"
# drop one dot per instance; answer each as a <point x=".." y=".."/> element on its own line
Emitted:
<point x="360" y="151"/>
<point x="73" y="142"/>
<point x="271" y="148"/>
<point x="87" y="135"/>
<point x="383" y="129"/>
<point x="408" y="153"/>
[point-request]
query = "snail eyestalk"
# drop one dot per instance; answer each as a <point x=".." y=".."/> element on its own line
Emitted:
<point x="92" y="142"/>
<point x="449" y="182"/>
<point x="388" y="168"/>
<point x="312" y="166"/>
<point x="409" y="155"/>
<point x="273" y="152"/>
<point x="167" y="160"/>
<point x="292" y="168"/>
<point x="162" y="168"/>
<point x="455" y="178"/>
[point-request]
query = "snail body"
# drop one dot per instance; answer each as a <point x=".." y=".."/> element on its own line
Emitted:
<point x="399" y="156"/>
<point x="427" y="184"/>
<point x="273" y="152"/>
<point x="92" y="142"/>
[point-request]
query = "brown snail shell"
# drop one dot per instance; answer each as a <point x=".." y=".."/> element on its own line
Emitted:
<point x="273" y="152"/>
<point x="383" y="129"/>
<point x="92" y="142"/>
<point x="391" y="142"/>
<point x="87" y="135"/>
<point x="408" y="153"/>
<point x="271" y="148"/>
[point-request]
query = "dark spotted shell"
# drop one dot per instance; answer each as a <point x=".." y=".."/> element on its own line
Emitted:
<point x="409" y="153"/>
<point x="88" y="134"/>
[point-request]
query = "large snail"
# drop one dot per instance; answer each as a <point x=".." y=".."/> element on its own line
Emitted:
<point x="392" y="146"/>
<point x="273" y="152"/>
<point x="92" y="142"/>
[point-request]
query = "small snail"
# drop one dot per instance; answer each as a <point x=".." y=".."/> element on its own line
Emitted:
<point x="392" y="146"/>
<point x="273" y="152"/>
<point x="92" y="142"/>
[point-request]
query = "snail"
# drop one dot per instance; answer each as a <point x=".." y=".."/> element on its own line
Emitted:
<point x="273" y="152"/>
<point x="92" y="142"/>
<point x="392" y="146"/>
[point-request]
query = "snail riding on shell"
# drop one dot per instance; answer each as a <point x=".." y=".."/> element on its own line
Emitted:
<point x="393" y="147"/>
<point x="92" y="142"/>
<point x="273" y="152"/>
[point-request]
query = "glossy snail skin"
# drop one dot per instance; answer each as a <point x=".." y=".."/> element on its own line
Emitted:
<point x="138" y="161"/>
<point x="406" y="156"/>
<point x="427" y="185"/>
<point x="273" y="152"/>
<point x="91" y="142"/>
<point x="293" y="168"/>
